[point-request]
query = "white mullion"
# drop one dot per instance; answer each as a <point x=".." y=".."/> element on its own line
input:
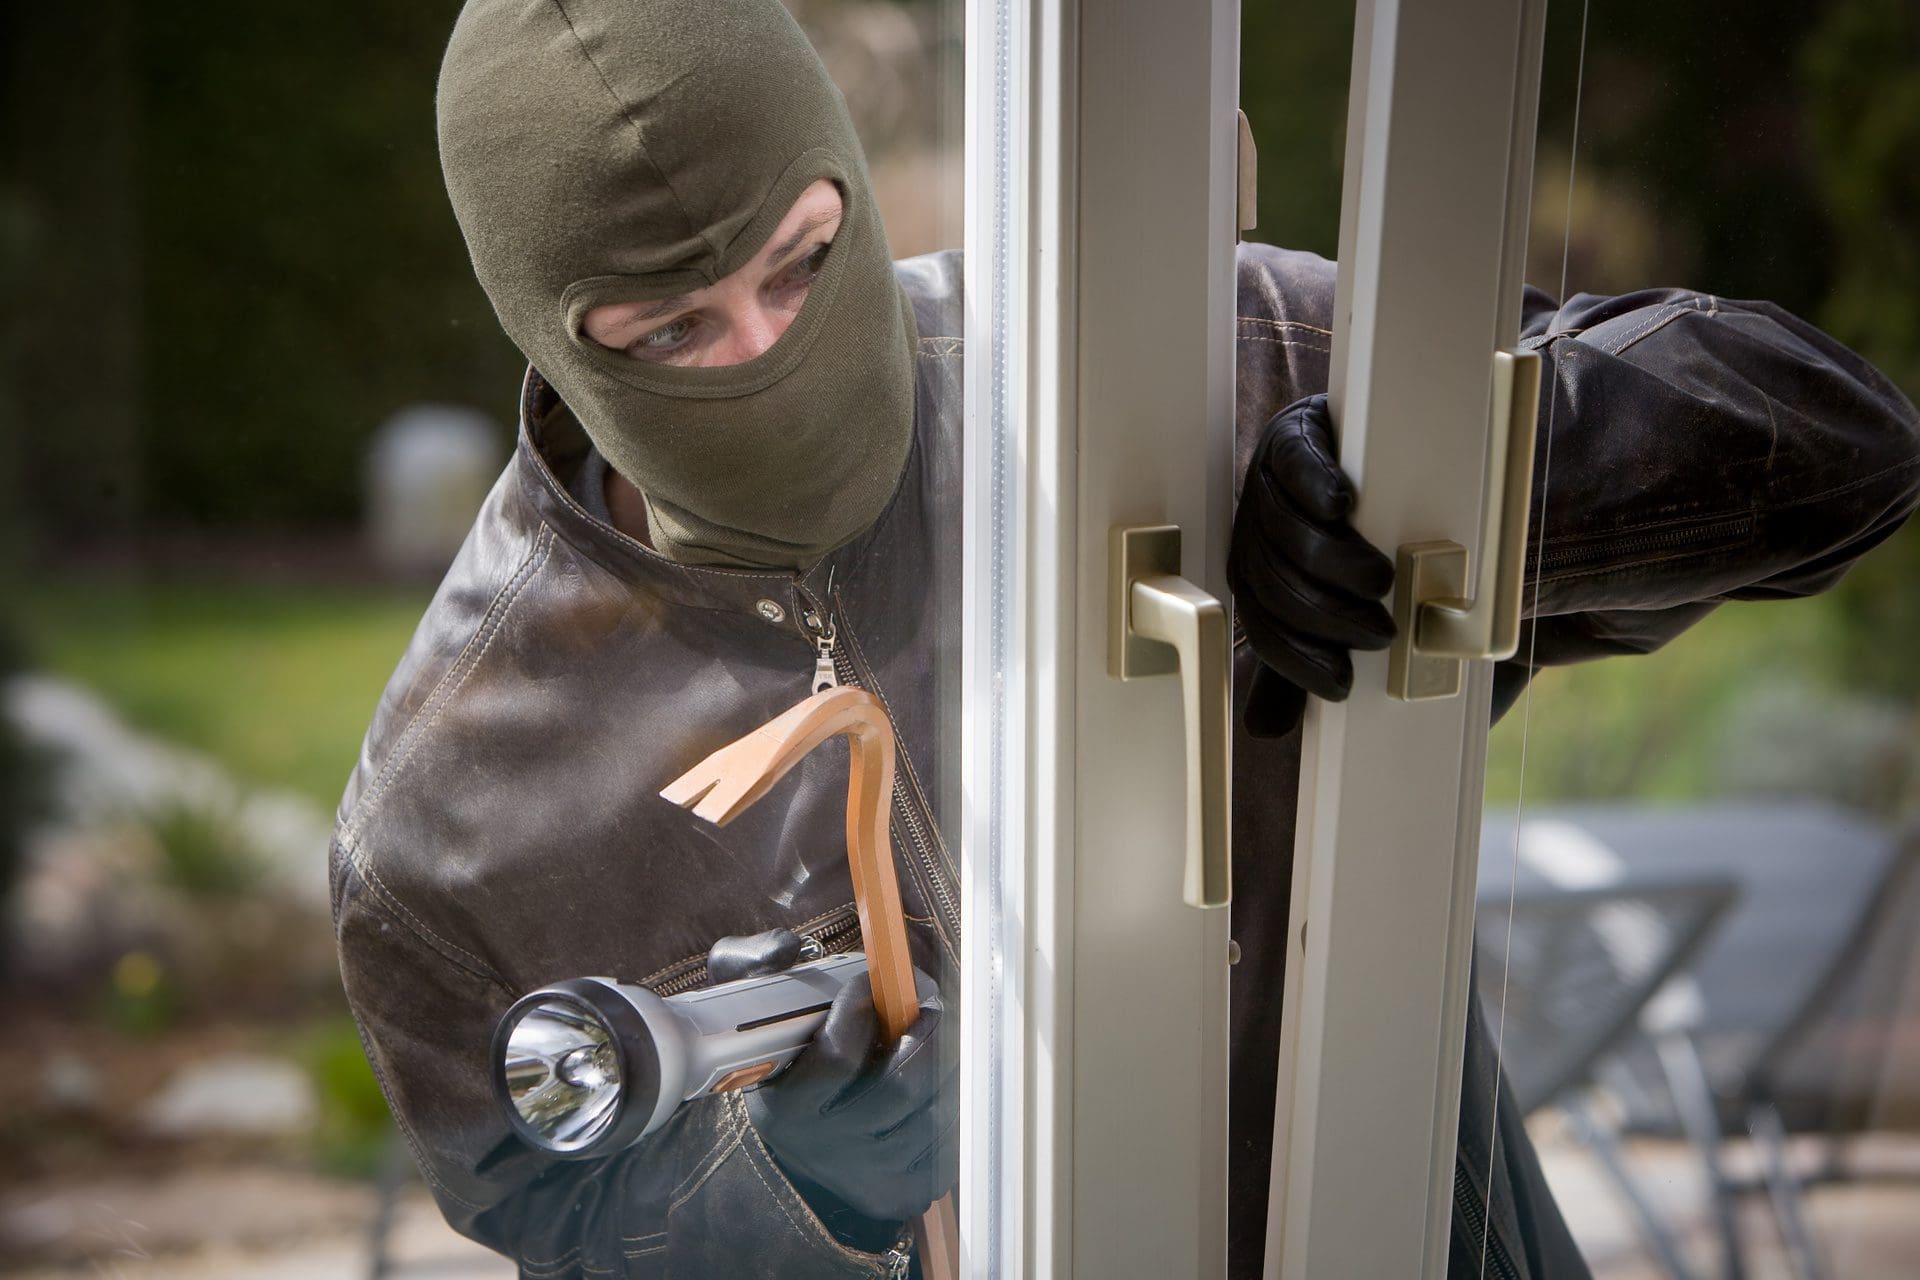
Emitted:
<point x="1438" y="164"/>
<point x="994" y="1177"/>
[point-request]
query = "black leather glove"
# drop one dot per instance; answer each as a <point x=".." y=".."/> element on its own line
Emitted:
<point x="1306" y="586"/>
<point x="864" y="1130"/>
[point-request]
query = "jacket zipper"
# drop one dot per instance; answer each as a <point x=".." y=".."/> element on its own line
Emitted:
<point x="838" y="932"/>
<point x="899" y="1259"/>
<point x="1499" y="1262"/>
<point x="1668" y="540"/>
<point x="835" y="666"/>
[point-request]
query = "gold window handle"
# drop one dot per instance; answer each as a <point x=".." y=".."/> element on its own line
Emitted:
<point x="1159" y="623"/>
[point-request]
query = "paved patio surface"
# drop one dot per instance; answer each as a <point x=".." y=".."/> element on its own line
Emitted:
<point x="274" y="1224"/>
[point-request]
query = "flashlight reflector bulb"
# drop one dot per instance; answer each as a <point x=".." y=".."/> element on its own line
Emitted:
<point x="562" y="1072"/>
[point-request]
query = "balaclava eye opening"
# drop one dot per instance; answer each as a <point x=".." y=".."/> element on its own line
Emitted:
<point x="601" y="151"/>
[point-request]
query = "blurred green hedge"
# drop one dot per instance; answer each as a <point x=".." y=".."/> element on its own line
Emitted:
<point x="232" y="258"/>
<point x="225" y="253"/>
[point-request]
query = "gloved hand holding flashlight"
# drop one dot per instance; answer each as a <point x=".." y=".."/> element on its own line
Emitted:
<point x="871" y="1126"/>
<point x="1306" y="586"/>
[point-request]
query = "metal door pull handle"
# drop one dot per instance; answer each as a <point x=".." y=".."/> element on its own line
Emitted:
<point x="1438" y="623"/>
<point x="1159" y="623"/>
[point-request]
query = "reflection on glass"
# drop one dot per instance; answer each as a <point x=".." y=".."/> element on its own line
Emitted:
<point x="1697" y="897"/>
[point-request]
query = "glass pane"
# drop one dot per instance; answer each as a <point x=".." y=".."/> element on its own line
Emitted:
<point x="262" y="385"/>
<point x="1696" y="905"/>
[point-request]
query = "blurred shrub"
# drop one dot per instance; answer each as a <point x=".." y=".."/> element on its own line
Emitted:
<point x="141" y="997"/>
<point x="23" y="777"/>
<point x="1861" y="66"/>
<point x="354" y="1128"/>
<point x="203" y="852"/>
<point x="1792" y="738"/>
<point x="245" y="260"/>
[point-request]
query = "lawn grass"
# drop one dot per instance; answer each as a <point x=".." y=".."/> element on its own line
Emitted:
<point x="277" y="682"/>
<point x="1655" y="727"/>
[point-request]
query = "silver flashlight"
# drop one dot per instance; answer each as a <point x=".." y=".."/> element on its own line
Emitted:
<point x="588" y="1066"/>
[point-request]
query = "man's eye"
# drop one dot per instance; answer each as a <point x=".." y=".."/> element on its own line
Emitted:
<point x="667" y="337"/>
<point x="802" y="272"/>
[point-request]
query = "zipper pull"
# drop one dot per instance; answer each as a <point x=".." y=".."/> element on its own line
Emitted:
<point x="824" y="676"/>
<point x="899" y="1259"/>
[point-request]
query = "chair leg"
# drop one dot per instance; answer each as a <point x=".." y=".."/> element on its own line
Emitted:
<point x="1784" y="1187"/>
<point x="396" y="1167"/>
<point x="1699" y="1117"/>
<point x="1601" y="1139"/>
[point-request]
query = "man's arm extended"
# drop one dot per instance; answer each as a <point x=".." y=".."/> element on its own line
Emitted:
<point x="1696" y="450"/>
<point x="1693" y="450"/>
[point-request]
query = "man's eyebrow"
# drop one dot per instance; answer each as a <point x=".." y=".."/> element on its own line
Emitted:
<point x="807" y="227"/>
<point x="661" y="308"/>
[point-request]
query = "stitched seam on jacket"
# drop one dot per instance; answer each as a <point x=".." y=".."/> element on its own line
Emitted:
<point x="416" y="732"/>
<point x="550" y="1266"/>
<point x="751" y="1147"/>
<point x="690" y="573"/>
<point x="1321" y="347"/>
<point x="1752" y="513"/>
<point x="704" y="1167"/>
<point x="1850" y="485"/>
<point x="449" y="684"/>
<point x="727" y="1148"/>
<point x="414" y="1145"/>
<point x="545" y="1271"/>
<point x="1661" y="318"/>
<point x="1284" y="324"/>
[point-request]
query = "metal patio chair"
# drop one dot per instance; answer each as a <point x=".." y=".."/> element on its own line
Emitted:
<point x="1784" y="1019"/>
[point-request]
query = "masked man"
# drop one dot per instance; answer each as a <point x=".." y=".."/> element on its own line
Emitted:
<point x="738" y="466"/>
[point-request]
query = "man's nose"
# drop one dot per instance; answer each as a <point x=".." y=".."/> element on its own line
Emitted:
<point x="754" y="330"/>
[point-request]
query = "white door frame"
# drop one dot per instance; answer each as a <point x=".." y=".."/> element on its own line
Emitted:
<point x="1439" y="164"/>
<point x="1101" y="157"/>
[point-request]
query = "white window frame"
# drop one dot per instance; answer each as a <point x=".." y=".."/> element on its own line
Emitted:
<point x="1094" y="1066"/>
<point x="1441" y="120"/>
<point x="1101" y="153"/>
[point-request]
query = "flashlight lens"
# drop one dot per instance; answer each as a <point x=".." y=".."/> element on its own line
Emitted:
<point x="562" y="1073"/>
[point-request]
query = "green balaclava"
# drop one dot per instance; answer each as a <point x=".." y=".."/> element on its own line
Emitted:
<point x="603" y="151"/>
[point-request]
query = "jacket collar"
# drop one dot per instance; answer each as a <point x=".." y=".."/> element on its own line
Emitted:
<point x="550" y="439"/>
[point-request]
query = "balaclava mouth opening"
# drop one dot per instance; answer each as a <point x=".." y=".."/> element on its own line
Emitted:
<point x="601" y="151"/>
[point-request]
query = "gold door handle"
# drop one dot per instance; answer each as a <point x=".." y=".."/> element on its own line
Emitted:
<point x="1159" y="623"/>
<point x="1438" y="623"/>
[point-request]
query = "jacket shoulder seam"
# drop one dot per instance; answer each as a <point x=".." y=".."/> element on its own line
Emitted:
<point x="351" y="830"/>
<point x="491" y="624"/>
<point x="407" y="1135"/>
<point x="396" y="912"/>
<point x="1703" y="304"/>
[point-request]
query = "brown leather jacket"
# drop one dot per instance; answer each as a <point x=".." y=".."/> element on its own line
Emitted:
<point x="503" y="830"/>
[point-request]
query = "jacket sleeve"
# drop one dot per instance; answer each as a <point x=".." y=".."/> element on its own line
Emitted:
<point x="1696" y="450"/>
<point x="700" y="1197"/>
